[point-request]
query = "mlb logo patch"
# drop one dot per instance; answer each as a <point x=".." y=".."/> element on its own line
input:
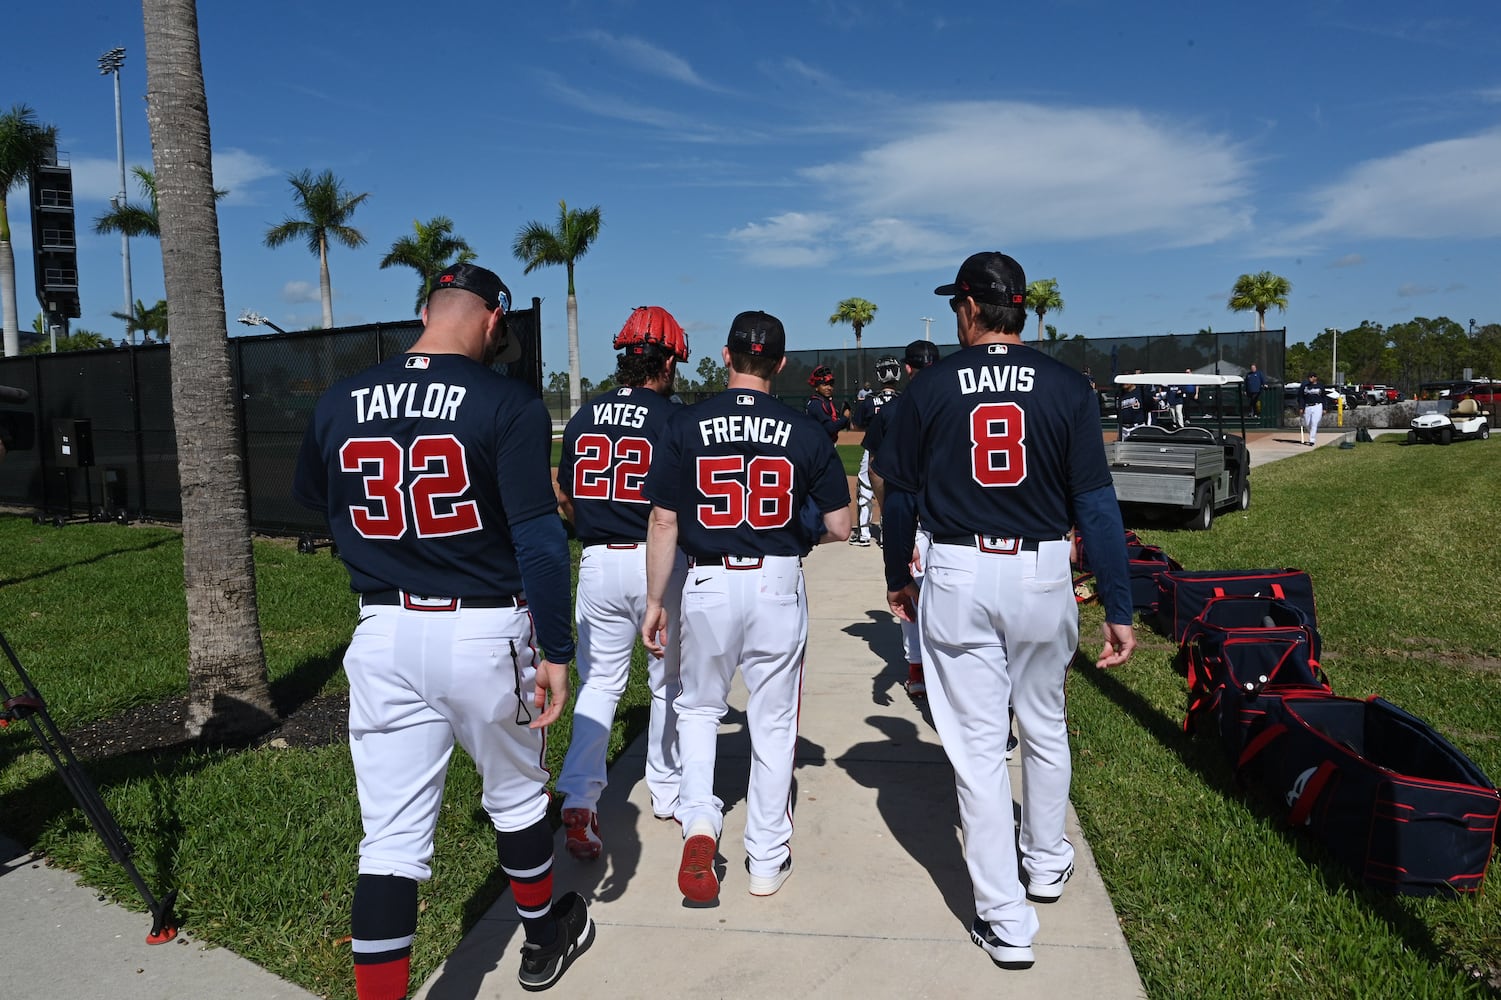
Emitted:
<point x="745" y="400"/>
<point x="625" y="391"/>
<point x="418" y="361"/>
<point x="998" y="349"/>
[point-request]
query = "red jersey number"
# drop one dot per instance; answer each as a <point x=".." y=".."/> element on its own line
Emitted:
<point x="436" y="491"/>
<point x="997" y="435"/>
<point x="757" y="492"/>
<point x="610" y="470"/>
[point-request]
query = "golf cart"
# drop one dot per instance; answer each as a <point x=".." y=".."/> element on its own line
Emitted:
<point x="1185" y="472"/>
<point x="1440" y="421"/>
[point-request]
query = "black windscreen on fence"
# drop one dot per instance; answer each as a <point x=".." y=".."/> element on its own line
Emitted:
<point x="104" y="438"/>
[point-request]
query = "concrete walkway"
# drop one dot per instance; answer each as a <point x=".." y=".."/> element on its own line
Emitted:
<point x="877" y="906"/>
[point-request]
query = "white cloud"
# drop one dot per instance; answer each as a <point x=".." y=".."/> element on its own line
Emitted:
<point x="644" y="57"/>
<point x="1448" y="189"/>
<point x="236" y="171"/>
<point x="946" y="176"/>
<point x="295" y="292"/>
<point x="1411" y="290"/>
<point x="1348" y="260"/>
<point x="793" y="239"/>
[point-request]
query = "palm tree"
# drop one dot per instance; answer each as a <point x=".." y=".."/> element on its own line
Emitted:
<point x="432" y="251"/>
<point x="1260" y="292"/>
<point x="228" y="693"/>
<point x="538" y="245"/>
<point x="138" y="220"/>
<point x="325" y="209"/>
<point x="1043" y="298"/>
<point x="23" y="143"/>
<point x="145" y="320"/>
<point x="858" y="313"/>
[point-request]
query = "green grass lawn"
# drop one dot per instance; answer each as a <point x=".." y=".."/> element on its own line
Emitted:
<point x="1215" y="896"/>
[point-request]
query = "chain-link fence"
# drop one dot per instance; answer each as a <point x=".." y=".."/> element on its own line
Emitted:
<point x="105" y="442"/>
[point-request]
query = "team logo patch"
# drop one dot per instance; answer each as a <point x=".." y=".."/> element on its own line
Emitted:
<point x="418" y="361"/>
<point x="745" y="400"/>
<point x="625" y="391"/>
<point x="998" y="349"/>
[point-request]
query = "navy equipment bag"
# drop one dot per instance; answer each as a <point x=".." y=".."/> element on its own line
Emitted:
<point x="1388" y="796"/>
<point x="1183" y="595"/>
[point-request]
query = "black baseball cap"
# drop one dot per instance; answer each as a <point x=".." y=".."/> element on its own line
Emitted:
<point x="479" y="280"/>
<point x="921" y="353"/>
<point x="991" y="277"/>
<point x="758" y="334"/>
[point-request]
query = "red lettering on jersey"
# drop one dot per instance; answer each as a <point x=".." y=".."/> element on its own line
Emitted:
<point x="758" y="492"/>
<point x="997" y="435"/>
<point x="606" y="470"/>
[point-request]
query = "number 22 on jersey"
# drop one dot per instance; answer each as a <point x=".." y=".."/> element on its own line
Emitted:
<point x="610" y="470"/>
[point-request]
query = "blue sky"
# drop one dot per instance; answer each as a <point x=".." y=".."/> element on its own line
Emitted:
<point x="787" y="155"/>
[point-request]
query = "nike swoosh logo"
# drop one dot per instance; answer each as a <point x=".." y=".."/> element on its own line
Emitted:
<point x="701" y="580"/>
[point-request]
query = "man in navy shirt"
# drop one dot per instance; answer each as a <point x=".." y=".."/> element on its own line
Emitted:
<point x="607" y="448"/>
<point x="433" y="471"/>
<point x="997" y="448"/>
<point x="745" y="486"/>
<point x="820" y="405"/>
<point x="1255" y="382"/>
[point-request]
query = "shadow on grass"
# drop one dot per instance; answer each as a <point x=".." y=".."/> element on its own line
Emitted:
<point x="101" y="557"/>
<point x="1205" y="760"/>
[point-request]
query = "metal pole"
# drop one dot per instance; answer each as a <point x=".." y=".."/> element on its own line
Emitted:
<point x="111" y="62"/>
<point x="927" y="327"/>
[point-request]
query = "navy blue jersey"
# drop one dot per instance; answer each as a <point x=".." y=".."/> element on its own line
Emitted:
<point x="996" y="439"/>
<point x="1312" y="394"/>
<point x="875" y="430"/>
<point x="422" y="464"/>
<point x="737" y="468"/>
<point x="827" y="414"/>
<point x="871" y="405"/>
<point x="607" y="448"/>
<point x="1135" y="404"/>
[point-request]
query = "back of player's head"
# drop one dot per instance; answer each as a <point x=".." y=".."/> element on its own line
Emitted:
<point x="921" y="354"/>
<point x="758" y="334"/>
<point x="888" y="370"/>
<point x="650" y="330"/>
<point x="997" y="283"/>
<point x="490" y="290"/>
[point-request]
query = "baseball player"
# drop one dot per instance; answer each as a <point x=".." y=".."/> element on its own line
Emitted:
<point x="433" y="471"/>
<point x="919" y="355"/>
<point x="745" y="486"/>
<point x="998" y="447"/>
<point x="1311" y="395"/>
<point x="820" y="405"/>
<point x="888" y="373"/>
<point x="607" y="448"/>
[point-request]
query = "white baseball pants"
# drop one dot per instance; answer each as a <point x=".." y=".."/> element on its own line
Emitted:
<point x="417" y="680"/>
<point x="1312" y="415"/>
<point x="755" y="619"/>
<point x="608" y="610"/>
<point x="865" y="498"/>
<point x="1001" y="629"/>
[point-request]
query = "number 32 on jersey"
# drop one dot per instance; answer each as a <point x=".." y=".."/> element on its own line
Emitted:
<point x="435" y="491"/>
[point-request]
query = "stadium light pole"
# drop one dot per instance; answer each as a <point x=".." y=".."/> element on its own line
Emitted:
<point x="110" y="63"/>
<point x="1334" y="358"/>
<point x="927" y="327"/>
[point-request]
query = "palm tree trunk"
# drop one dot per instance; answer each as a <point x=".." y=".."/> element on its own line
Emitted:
<point x="575" y="396"/>
<point x="859" y="360"/>
<point x="1039" y="326"/>
<point x="12" y="322"/>
<point x="325" y="286"/>
<point x="228" y="693"/>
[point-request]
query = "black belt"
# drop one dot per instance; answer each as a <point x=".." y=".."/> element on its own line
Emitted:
<point x="996" y="544"/>
<point x="615" y="545"/>
<point x="414" y="602"/>
<point x="728" y="562"/>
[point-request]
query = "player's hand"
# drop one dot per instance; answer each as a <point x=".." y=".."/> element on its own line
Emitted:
<point x="1120" y="642"/>
<point x="654" y="629"/>
<point x="916" y="561"/>
<point x="903" y="603"/>
<point x="552" y="680"/>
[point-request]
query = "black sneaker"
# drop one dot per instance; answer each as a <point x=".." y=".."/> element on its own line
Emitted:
<point x="1011" y="746"/>
<point x="1007" y="956"/>
<point x="543" y="966"/>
